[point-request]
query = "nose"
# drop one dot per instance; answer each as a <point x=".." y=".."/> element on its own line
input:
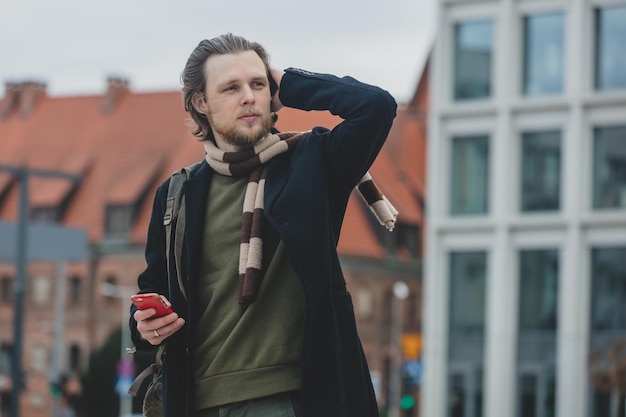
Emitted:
<point x="247" y="95"/>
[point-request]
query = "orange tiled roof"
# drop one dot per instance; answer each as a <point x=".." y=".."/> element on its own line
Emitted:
<point x="357" y="237"/>
<point x="47" y="192"/>
<point x="406" y="145"/>
<point x="125" y="154"/>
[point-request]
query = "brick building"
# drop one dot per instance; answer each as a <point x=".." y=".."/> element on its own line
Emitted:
<point x="123" y="144"/>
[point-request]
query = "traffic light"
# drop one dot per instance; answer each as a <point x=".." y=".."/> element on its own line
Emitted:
<point x="411" y="345"/>
<point x="57" y="386"/>
<point x="55" y="389"/>
<point x="411" y="377"/>
<point x="407" y="402"/>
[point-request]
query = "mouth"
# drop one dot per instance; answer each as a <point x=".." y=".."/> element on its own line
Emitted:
<point x="249" y="118"/>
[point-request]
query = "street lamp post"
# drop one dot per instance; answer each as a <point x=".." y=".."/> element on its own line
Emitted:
<point x="20" y="283"/>
<point x="58" y="333"/>
<point x="123" y="293"/>
<point x="400" y="292"/>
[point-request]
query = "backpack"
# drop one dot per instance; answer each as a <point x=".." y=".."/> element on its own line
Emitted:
<point x="174" y="218"/>
<point x="174" y="222"/>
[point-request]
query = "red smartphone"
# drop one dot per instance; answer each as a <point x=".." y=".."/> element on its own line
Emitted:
<point x="152" y="300"/>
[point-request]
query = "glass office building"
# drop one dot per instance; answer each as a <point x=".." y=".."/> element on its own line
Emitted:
<point x="525" y="266"/>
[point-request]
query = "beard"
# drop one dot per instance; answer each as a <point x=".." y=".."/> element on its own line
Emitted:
<point x="245" y="137"/>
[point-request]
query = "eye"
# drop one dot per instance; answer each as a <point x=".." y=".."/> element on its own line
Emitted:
<point x="258" y="85"/>
<point x="231" y="88"/>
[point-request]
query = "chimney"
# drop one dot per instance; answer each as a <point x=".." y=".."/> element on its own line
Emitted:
<point x="117" y="87"/>
<point x="29" y="94"/>
<point x="11" y="99"/>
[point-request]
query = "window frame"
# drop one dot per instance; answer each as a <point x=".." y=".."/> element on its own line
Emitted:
<point x="596" y="118"/>
<point x="444" y="82"/>
<point x="455" y="65"/>
<point x="539" y="121"/>
<point x="464" y="367"/>
<point x="456" y="186"/>
<point x="522" y="138"/>
<point x="531" y="240"/>
<point x="116" y="232"/>
<point x="462" y="128"/>
<point x="594" y="168"/>
<point x="523" y="48"/>
<point x="7" y="289"/>
<point x="594" y="7"/>
<point x="516" y="55"/>
<point x="592" y="239"/>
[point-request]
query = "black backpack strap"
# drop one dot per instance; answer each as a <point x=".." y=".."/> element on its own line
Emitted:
<point x="151" y="370"/>
<point x="174" y="217"/>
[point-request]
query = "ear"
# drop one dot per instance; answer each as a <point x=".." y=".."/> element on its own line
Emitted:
<point x="199" y="103"/>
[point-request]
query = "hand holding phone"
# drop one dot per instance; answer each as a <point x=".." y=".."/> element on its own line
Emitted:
<point x="152" y="300"/>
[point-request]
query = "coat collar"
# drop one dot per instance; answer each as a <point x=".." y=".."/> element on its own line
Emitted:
<point x="275" y="178"/>
<point x="196" y="191"/>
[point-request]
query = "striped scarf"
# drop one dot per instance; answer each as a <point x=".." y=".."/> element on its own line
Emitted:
<point x="251" y="161"/>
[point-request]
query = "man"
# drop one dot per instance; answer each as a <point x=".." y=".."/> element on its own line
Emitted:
<point x="265" y="326"/>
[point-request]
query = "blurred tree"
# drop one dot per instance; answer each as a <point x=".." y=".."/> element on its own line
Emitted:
<point x="98" y="396"/>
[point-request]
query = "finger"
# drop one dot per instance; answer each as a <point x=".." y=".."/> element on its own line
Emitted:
<point x="170" y="329"/>
<point x="156" y="336"/>
<point x="148" y="325"/>
<point x="141" y="315"/>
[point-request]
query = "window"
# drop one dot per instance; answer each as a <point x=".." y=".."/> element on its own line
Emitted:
<point x="609" y="167"/>
<point x="541" y="171"/>
<point x="470" y="175"/>
<point x="543" y="54"/>
<point x="44" y="214"/>
<point x="388" y="306"/>
<point x="472" y="60"/>
<point x="536" y="393"/>
<point x="75" y="290"/>
<point x="607" y="331"/>
<point x="537" y="324"/>
<point x="6" y="351"/>
<point x="407" y="239"/>
<point x="610" y="48"/>
<point x="6" y="290"/>
<point x="467" y="299"/>
<point x="119" y="220"/>
<point x="467" y="292"/>
<point x="466" y="393"/>
<point x="40" y="358"/>
<point x="538" y="290"/>
<point x="110" y="287"/>
<point x="74" y="357"/>
<point x="365" y="303"/>
<point x="42" y="288"/>
<point x="608" y="289"/>
<point x="403" y="242"/>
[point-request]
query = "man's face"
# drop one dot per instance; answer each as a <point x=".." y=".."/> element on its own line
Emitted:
<point x="237" y="99"/>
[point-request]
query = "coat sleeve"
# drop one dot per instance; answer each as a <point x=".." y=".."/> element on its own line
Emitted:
<point x="368" y="113"/>
<point x="154" y="277"/>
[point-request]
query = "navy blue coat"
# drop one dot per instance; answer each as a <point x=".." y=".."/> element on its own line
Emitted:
<point x="306" y="194"/>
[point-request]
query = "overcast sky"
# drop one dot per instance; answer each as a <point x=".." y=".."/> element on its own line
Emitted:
<point x="74" y="45"/>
